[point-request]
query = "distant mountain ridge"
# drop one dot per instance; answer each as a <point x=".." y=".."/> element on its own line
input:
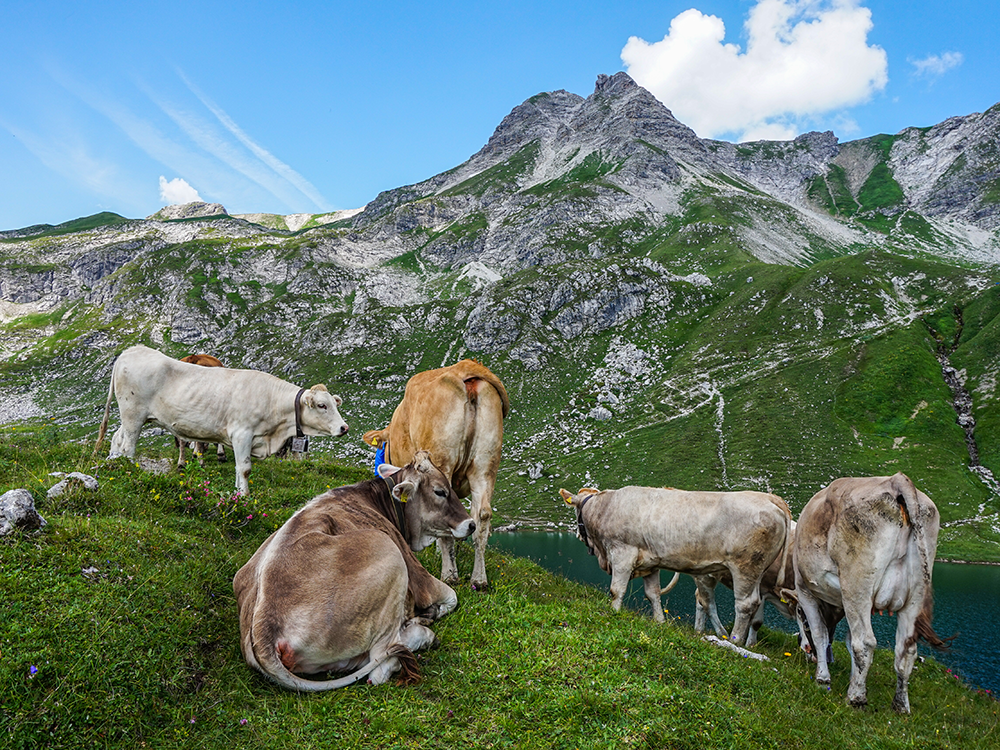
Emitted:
<point x="664" y="309"/>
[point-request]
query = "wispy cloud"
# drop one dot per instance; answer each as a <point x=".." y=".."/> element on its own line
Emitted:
<point x="935" y="66"/>
<point x="266" y="157"/>
<point x="195" y="146"/>
<point x="803" y="58"/>
<point x="67" y="153"/>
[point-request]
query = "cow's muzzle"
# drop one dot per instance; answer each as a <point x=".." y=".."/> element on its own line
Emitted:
<point x="464" y="529"/>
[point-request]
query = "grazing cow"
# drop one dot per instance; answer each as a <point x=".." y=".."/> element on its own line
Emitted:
<point x="637" y="531"/>
<point x="205" y="360"/>
<point x="337" y="588"/>
<point x="770" y="591"/>
<point x="252" y="411"/>
<point x="864" y="544"/>
<point x="456" y="413"/>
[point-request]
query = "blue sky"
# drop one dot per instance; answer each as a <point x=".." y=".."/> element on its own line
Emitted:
<point x="317" y="106"/>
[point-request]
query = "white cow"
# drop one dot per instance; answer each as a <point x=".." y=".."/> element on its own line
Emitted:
<point x="638" y="531"/>
<point x="864" y="544"/>
<point x="254" y="412"/>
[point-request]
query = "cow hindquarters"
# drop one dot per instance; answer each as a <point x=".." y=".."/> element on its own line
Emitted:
<point x="349" y="614"/>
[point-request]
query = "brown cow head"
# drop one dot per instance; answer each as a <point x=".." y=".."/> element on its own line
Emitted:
<point x="431" y="507"/>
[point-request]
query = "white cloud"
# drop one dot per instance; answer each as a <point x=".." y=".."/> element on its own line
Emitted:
<point x="802" y="58"/>
<point x="934" y="66"/>
<point x="177" y="191"/>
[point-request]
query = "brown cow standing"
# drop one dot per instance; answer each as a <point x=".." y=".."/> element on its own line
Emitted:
<point x="455" y="413"/>
<point x="205" y="360"/>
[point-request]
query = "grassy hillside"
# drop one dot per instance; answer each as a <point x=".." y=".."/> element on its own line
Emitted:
<point x="120" y="629"/>
<point x="728" y="374"/>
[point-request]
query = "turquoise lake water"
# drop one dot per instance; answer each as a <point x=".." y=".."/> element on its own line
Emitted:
<point x="966" y="602"/>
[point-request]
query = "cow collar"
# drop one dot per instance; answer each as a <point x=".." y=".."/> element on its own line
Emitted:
<point x="381" y="453"/>
<point x="398" y="507"/>
<point x="298" y="413"/>
<point x="300" y="443"/>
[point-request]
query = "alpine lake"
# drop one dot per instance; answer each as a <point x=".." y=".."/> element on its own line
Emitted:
<point x="966" y="602"/>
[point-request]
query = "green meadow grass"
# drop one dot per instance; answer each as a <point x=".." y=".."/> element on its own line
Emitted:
<point x="119" y="629"/>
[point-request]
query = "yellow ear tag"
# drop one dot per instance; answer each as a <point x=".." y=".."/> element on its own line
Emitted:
<point x="404" y="496"/>
<point x="375" y="442"/>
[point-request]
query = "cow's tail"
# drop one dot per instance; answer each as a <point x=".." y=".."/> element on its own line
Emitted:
<point x="267" y="661"/>
<point x="107" y="413"/>
<point x="786" y="548"/>
<point x="670" y="586"/>
<point x="910" y="510"/>
<point x="477" y="370"/>
<point x="924" y="629"/>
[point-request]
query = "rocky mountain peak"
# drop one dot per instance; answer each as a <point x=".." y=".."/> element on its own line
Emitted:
<point x="193" y="210"/>
<point x="616" y="84"/>
<point x="539" y="117"/>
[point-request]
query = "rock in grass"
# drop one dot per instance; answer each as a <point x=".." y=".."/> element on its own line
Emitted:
<point x="71" y="482"/>
<point x="17" y="511"/>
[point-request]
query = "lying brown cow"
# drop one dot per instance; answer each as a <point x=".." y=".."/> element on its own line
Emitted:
<point x="638" y="531"/>
<point x="455" y="413"/>
<point x="337" y="588"/>
<point x="864" y="544"/>
<point x="205" y="360"/>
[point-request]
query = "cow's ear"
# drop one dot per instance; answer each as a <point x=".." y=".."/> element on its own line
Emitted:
<point x="566" y="495"/>
<point x="387" y="470"/>
<point x="788" y="595"/>
<point x="338" y="400"/>
<point x="403" y="490"/>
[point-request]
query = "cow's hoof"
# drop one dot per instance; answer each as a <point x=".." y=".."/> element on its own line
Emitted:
<point x="480" y="586"/>
<point x="859" y="703"/>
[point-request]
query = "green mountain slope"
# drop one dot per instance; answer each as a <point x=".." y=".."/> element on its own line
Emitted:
<point x="664" y="310"/>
